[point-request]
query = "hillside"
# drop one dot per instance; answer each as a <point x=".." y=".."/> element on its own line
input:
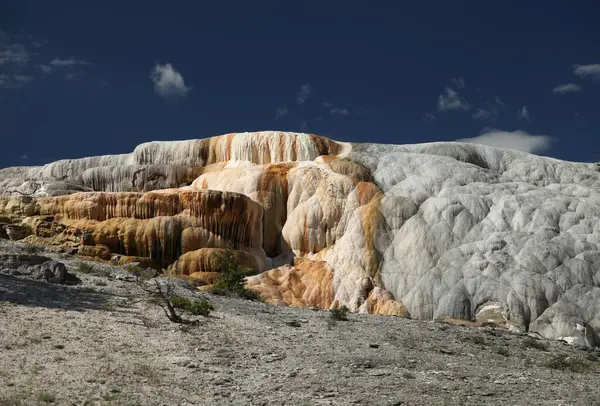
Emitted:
<point x="428" y="231"/>
<point x="95" y="343"/>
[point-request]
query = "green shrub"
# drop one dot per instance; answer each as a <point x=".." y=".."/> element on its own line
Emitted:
<point x="231" y="280"/>
<point x="163" y="295"/>
<point x="338" y="313"/>
<point x="561" y="362"/>
<point x="531" y="342"/>
<point x="502" y="351"/>
<point x="194" y="307"/>
<point x="31" y="249"/>
<point x="86" y="268"/>
<point x="46" y="397"/>
<point x="479" y="340"/>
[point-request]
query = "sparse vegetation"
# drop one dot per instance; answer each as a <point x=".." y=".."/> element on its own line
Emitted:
<point x="146" y="371"/>
<point x="338" y="313"/>
<point x="109" y="397"/>
<point x="232" y="275"/>
<point x="86" y="268"/>
<point x="478" y="340"/>
<point x="564" y="363"/>
<point x="163" y="295"/>
<point x="501" y="350"/>
<point x="531" y="342"/>
<point x="10" y="400"/>
<point x="46" y="397"/>
<point x="409" y="375"/>
<point x="193" y="307"/>
<point x="31" y="249"/>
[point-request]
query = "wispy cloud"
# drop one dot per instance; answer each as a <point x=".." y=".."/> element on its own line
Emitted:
<point x="280" y="113"/>
<point x="523" y="114"/>
<point x="14" y="54"/>
<point x="13" y="50"/>
<point x="303" y="94"/>
<point x="566" y="88"/>
<point x="68" y="62"/>
<point x="517" y="140"/>
<point x="482" y="114"/>
<point x="168" y="82"/>
<point x="500" y="102"/>
<point x="339" y="112"/>
<point x="450" y="100"/>
<point x="14" y="81"/>
<point x="45" y="68"/>
<point x="429" y="118"/>
<point x="72" y="76"/>
<point x="583" y="71"/>
<point x="326" y="104"/>
<point x="459" y="83"/>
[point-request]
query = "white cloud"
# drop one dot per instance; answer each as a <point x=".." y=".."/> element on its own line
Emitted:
<point x="303" y="94"/>
<point x="500" y="102"/>
<point x="72" y="76"/>
<point x="458" y="82"/>
<point x="24" y="157"/>
<point x="168" y="82"/>
<point x="67" y="62"/>
<point x="523" y="114"/>
<point x="450" y="100"/>
<point x="280" y="113"/>
<point x="517" y="140"/>
<point x="482" y="114"/>
<point x="587" y="70"/>
<point x="14" y="81"/>
<point x="429" y="118"/>
<point x="339" y="112"/>
<point x="14" y="54"/>
<point x="45" y="68"/>
<point x="566" y="88"/>
<point x="326" y="104"/>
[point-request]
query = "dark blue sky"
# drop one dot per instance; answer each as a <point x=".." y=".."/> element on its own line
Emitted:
<point x="75" y="78"/>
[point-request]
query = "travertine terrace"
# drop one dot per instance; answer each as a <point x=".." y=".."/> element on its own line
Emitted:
<point x="439" y="230"/>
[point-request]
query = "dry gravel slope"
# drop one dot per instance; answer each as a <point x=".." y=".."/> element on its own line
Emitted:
<point x="96" y="344"/>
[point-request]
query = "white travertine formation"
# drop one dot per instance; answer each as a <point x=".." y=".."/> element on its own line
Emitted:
<point x="431" y="230"/>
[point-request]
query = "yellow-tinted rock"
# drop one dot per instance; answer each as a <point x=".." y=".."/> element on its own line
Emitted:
<point x="307" y="284"/>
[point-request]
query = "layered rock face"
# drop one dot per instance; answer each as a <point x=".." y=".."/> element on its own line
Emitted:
<point x="440" y="230"/>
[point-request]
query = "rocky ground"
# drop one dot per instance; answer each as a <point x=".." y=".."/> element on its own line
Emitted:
<point x="97" y="343"/>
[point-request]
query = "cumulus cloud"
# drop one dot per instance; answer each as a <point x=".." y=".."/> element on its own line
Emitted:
<point x="523" y="114"/>
<point x="303" y="94"/>
<point x="168" y="82"/>
<point x="587" y="70"/>
<point x="517" y="140"/>
<point x="566" y="88"/>
<point x="450" y="100"/>
<point x="459" y="83"/>
<point x="280" y="113"/>
<point x="67" y="62"/>
<point x="339" y="112"/>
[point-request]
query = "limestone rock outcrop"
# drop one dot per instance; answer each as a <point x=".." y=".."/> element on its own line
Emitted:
<point x="429" y="231"/>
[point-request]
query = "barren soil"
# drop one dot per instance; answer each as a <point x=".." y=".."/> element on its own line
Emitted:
<point x="97" y="343"/>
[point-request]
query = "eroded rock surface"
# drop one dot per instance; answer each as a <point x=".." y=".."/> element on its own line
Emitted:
<point x="430" y="231"/>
